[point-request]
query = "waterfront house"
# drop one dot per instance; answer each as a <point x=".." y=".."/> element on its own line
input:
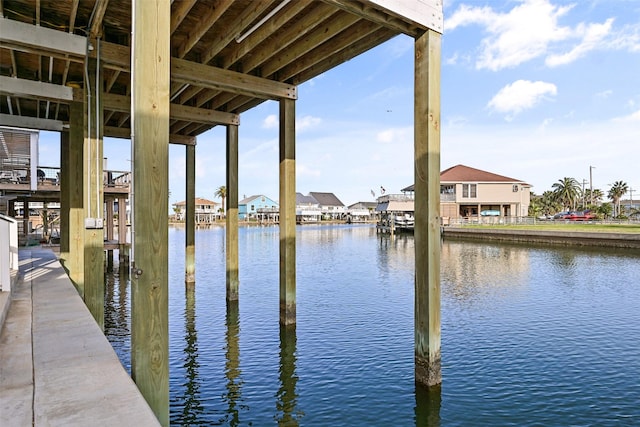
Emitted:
<point x="361" y="211"/>
<point x="330" y="206"/>
<point x="257" y="207"/>
<point x="206" y="211"/>
<point x="466" y="192"/>
<point x="307" y="209"/>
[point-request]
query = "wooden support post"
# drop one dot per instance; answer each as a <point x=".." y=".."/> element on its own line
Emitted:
<point x="190" y="218"/>
<point x="64" y="197"/>
<point x="72" y="185"/>
<point x="123" y="249"/>
<point x="427" y="208"/>
<point x="287" y="212"/>
<point x="233" y="281"/>
<point x="109" y="224"/>
<point x="25" y="219"/>
<point x="93" y="196"/>
<point x="149" y="280"/>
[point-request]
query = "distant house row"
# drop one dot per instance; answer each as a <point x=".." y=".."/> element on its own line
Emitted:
<point x="314" y="207"/>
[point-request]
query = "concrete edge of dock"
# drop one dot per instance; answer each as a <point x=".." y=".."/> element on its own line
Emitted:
<point x="56" y="365"/>
<point x="553" y="237"/>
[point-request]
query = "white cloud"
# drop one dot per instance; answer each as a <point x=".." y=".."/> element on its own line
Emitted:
<point x="392" y="135"/>
<point x="592" y="37"/>
<point x="532" y="30"/>
<point x="307" y="122"/>
<point x="604" y="94"/>
<point x="270" y="122"/>
<point x="633" y="117"/>
<point x="521" y="95"/>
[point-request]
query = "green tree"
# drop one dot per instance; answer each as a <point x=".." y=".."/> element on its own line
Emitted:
<point x="567" y="192"/>
<point x="617" y="190"/>
<point x="222" y="193"/>
<point x="605" y="210"/>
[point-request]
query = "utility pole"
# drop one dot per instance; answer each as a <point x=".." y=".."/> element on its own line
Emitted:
<point x="591" y="168"/>
<point x="584" y="181"/>
<point x="631" y="190"/>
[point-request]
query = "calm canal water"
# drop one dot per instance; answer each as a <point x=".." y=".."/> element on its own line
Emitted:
<point x="531" y="336"/>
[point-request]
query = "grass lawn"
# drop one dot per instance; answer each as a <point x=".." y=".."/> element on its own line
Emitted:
<point x="594" y="228"/>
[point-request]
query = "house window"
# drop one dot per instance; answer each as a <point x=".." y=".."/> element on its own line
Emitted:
<point x="469" y="191"/>
<point x="447" y="189"/>
<point x="515" y="188"/>
<point x="253" y="207"/>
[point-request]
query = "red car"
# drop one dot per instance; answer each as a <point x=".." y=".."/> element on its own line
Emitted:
<point x="580" y="216"/>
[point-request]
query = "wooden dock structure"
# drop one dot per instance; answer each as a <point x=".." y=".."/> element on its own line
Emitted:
<point x="160" y="72"/>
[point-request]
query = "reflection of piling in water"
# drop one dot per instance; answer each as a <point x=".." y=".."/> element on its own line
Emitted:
<point x="192" y="406"/>
<point x="232" y="367"/>
<point x="287" y="396"/>
<point x="427" y="408"/>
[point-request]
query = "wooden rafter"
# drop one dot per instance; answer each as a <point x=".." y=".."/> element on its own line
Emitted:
<point x="258" y="36"/>
<point x="215" y="11"/>
<point x="248" y="16"/>
<point x="180" y="12"/>
<point x="99" y="10"/>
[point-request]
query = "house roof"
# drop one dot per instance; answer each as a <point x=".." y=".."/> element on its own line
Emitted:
<point x="301" y="199"/>
<point x="462" y="173"/>
<point x="199" y="201"/>
<point x="364" y="205"/>
<point x="326" y="199"/>
<point x="249" y="199"/>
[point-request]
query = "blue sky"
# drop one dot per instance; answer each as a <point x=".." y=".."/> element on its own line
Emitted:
<point x="536" y="90"/>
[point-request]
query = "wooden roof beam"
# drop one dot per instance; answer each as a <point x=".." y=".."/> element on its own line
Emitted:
<point x="344" y="55"/>
<point x="330" y="28"/>
<point x="268" y="28"/>
<point x="205" y="23"/>
<point x="255" y="9"/>
<point x="328" y="49"/>
<point x="30" y="123"/>
<point x="99" y="9"/>
<point x="320" y="14"/>
<point x="373" y="15"/>
<point x="125" y="133"/>
<point x="122" y="103"/>
<point x="180" y="12"/>
<point x="206" y="76"/>
<point x="232" y="81"/>
<point x="33" y="38"/>
<point x="32" y="89"/>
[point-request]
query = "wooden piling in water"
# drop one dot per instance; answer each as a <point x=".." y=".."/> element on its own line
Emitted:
<point x="231" y="230"/>
<point x="287" y="212"/>
<point x="427" y="208"/>
<point x="190" y="218"/>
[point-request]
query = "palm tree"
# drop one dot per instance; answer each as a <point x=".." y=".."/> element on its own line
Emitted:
<point x="222" y="193"/>
<point x="617" y="190"/>
<point x="597" y="195"/>
<point x="567" y="191"/>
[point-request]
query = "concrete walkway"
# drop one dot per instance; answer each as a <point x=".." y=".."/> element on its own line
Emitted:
<point x="56" y="366"/>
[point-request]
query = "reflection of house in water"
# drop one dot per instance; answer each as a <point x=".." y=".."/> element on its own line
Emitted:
<point x="468" y="267"/>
